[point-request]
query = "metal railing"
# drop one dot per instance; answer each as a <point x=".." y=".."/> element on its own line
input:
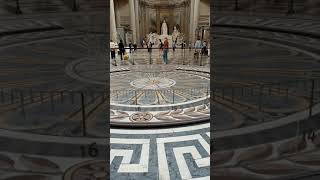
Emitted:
<point x="150" y="97"/>
<point x="178" y="55"/>
<point x="39" y="108"/>
<point x="288" y="97"/>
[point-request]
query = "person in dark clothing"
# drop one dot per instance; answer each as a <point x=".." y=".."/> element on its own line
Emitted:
<point x="134" y="46"/>
<point x="121" y="49"/>
<point x="160" y="46"/>
<point x="130" y="46"/>
<point x="204" y="48"/>
<point x="183" y="45"/>
<point x="174" y="45"/>
<point x="150" y="52"/>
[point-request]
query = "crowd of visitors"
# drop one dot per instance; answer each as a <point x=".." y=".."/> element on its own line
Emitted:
<point x="200" y="48"/>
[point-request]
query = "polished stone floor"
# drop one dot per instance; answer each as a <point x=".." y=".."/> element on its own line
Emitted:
<point x="250" y="144"/>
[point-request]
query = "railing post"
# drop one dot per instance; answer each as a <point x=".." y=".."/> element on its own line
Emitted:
<point x="61" y="96"/>
<point x="41" y="97"/>
<point x="51" y="101"/>
<point x="311" y="98"/>
<point x="74" y="6"/>
<point x="31" y="95"/>
<point x="173" y="96"/>
<point x="22" y="105"/>
<point x="260" y="96"/>
<point x="132" y="56"/>
<point x="18" y="10"/>
<point x="241" y="90"/>
<point x="83" y="110"/>
<point x="201" y="57"/>
<point x="2" y="96"/>
<point x="136" y="98"/>
<point x="290" y="7"/>
<point x="213" y="95"/>
<point x="232" y="95"/>
<point x="287" y="94"/>
<point x="236" y="7"/>
<point x="11" y="96"/>
<point x="103" y="97"/>
<point x="223" y="93"/>
<point x="72" y="97"/>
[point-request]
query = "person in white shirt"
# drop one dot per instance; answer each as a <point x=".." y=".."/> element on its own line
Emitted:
<point x="198" y="44"/>
<point x="113" y="52"/>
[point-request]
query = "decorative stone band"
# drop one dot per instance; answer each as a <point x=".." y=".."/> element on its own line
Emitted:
<point x="192" y="103"/>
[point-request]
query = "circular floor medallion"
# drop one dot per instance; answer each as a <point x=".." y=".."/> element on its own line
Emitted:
<point x="153" y="83"/>
<point x="95" y="170"/>
<point x="141" y="117"/>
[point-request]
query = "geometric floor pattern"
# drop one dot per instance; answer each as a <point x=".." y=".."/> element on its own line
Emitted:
<point x="172" y="153"/>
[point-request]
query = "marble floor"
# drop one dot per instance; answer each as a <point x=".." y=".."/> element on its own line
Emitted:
<point x="43" y="134"/>
<point x="170" y="153"/>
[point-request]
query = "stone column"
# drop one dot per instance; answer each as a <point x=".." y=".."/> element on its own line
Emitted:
<point x="146" y="23"/>
<point x="113" y="29"/>
<point x="191" y="21"/>
<point x="158" y="21"/>
<point x="136" y="10"/>
<point x="195" y="17"/>
<point x="118" y="18"/>
<point x="187" y="25"/>
<point x="171" y="21"/>
<point x="133" y="21"/>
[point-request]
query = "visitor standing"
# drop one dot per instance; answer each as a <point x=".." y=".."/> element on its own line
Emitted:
<point x="204" y="48"/>
<point x="183" y="45"/>
<point x="174" y="46"/>
<point x="160" y="46"/>
<point x="121" y="49"/>
<point x="190" y="46"/>
<point x="130" y="46"/>
<point x="165" y="50"/>
<point x="197" y="47"/>
<point x="143" y="42"/>
<point x="134" y="46"/>
<point x="113" y="52"/>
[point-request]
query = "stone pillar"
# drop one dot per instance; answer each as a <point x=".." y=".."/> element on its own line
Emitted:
<point x="171" y="21"/>
<point x="113" y="29"/>
<point x="136" y="10"/>
<point x="146" y="23"/>
<point x="158" y="21"/>
<point x="118" y="18"/>
<point x="191" y="21"/>
<point x="187" y="25"/>
<point x="133" y="21"/>
<point x="195" y="18"/>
